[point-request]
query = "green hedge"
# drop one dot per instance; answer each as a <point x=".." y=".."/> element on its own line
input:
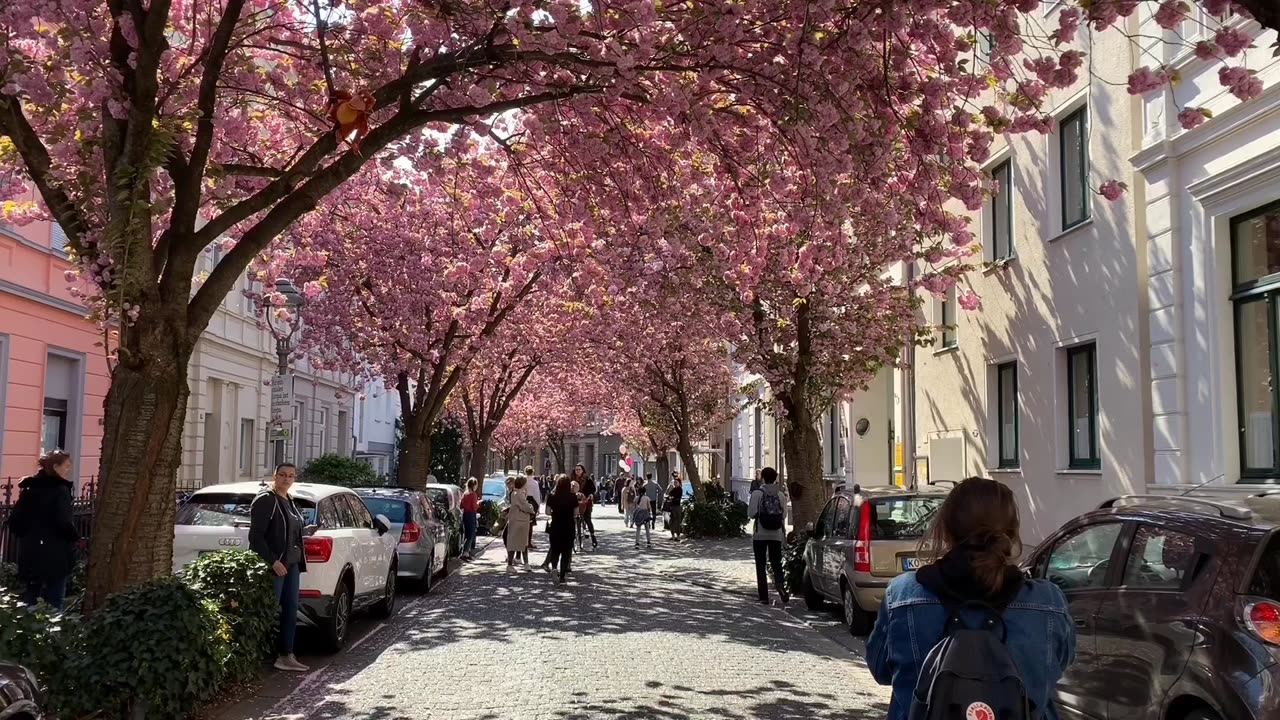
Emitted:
<point x="719" y="515"/>
<point x="490" y="513"/>
<point x="162" y="648"/>
<point x="339" y="470"/>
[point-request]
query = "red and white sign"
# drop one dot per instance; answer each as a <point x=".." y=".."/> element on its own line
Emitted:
<point x="979" y="711"/>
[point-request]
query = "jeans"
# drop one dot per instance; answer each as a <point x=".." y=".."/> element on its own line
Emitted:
<point x="774" y="550"/>
<point x="53" y="592"/>
<point x="287" y="590"/>
<point x="559" y="556"/>
<point x="470" y="526"/>
<point x="647" y="539"/>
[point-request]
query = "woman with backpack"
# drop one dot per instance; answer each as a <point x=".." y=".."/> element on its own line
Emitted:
<point x="975" y="598"/>
<point x="770" y="532"/>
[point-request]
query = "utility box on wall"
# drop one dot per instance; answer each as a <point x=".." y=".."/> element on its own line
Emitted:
<point x="947" y="458"/>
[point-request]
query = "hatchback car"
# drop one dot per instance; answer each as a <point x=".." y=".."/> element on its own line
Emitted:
<point x="1176" y="603"/>
<point x="424" y="538"/>
<point x="20" y="695"/>
<point x="351" y="565"/>
<point x="448" y="501"/>
<point x="864" y="538"/>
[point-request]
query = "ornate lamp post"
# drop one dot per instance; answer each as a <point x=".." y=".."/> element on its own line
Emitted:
<point x="284" y="322"/>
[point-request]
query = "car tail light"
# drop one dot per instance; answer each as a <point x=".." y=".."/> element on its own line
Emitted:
<point x="410" y="533"/>
<point x="862" y="545"/>
<point x="309" y="593"/>
<point x="318" y="549"/>
<point x="1262" y="617"/>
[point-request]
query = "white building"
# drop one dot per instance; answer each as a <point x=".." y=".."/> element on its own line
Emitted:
<point x="376" y="410"/>
<point x="227" y="437"/>
<point x="1211" y="205"/>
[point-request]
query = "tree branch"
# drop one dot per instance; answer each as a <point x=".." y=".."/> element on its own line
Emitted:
<point x="15" y="126"/>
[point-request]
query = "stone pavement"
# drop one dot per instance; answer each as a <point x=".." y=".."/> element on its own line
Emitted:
<point x="626" y="638"/>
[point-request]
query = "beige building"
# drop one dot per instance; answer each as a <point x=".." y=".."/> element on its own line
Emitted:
<point x="1045" y="387"/>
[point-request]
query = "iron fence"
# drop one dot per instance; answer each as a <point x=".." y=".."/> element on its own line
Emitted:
<point x="81" y="512"/>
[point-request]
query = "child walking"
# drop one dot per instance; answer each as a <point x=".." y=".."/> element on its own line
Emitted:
<point x="470" y="518"/>
<point x="642" y="517"/>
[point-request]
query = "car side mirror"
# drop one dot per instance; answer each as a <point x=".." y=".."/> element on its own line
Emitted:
<point x="382" y="524"/>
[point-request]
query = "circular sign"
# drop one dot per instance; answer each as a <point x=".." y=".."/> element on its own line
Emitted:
<point x="979" y="711"/>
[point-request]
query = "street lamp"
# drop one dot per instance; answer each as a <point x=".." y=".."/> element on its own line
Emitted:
<point x="284" y="328"/>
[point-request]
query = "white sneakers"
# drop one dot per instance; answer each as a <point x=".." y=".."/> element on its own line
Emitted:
<point x="289" y="663"/>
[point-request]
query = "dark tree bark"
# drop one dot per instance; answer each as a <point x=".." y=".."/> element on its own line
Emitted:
<point x="802" y="450"/>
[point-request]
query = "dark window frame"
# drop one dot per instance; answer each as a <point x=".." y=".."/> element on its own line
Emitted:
<point x="1080" y="115"/>
<point x="1004" y="188"/>
<point x="1007" y="460"/>
<point x="1264" y="289"/>
<point x="1075" y="460"/>
<point x="947" y="307"/>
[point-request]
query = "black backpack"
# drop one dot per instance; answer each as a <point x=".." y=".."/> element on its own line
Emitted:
<point x="970" y="675"/>
<point x="771" y="513"/>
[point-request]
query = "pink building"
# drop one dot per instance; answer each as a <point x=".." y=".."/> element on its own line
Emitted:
<point x="53" y="377"/>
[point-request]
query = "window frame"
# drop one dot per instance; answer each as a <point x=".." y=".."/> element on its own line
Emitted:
<point x="947" y="307"/>
<point x="1004" y="461"/>
<point x="1005" y="189"/>
<point x="1119" y="551"/>
<point x="1082" y="115"/>
<point x="1264" y="289"/>
<point x="844" y="509"/>
<point x="360" y="511"/>
<point x="1130" y="543"/>
<point x="1075" y="461"/>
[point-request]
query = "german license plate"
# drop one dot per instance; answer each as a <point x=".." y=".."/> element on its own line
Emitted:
<point x="912" y="563"/>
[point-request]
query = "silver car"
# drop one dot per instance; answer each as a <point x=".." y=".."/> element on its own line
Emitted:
<point x="424" y="538"/>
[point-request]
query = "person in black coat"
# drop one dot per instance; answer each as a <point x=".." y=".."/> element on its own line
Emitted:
<point x="276" y="531"/>
<point x="46" y="534"/>
<point x="562" y="506"/>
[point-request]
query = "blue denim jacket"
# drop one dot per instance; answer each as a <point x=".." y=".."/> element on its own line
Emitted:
<point x="1041" y="639"/>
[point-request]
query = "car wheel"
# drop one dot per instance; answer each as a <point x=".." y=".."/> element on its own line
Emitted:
<point x="428" y="574"/>
<point x="386" y="607"/>
<point x="1201" y="714"/>
<point x="857" y="619"/>
<point x="812" y="598"/>
<point x="336" y="625"/>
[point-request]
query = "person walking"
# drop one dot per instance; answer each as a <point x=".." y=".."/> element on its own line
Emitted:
<point x="586" y="486"/>
<point x="628" y="502"/>
<point x="562" y="506"/>
<point x="673" y="498"/>
<point x="470" y="517"/>
<point x="535" y="497"/>
<point x="619" y="485"/>
<point x="643" y="516"/>
<point x="973" y="580"/>
<point x="275" y="534"/>
<point x="768" y="510"/>
<point x="654" y="491"/>
<point x="46" y="532"/>
<point x="520" y="517"/>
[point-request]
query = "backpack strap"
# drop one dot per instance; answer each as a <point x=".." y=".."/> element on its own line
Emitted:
<point x="995" y="617"/>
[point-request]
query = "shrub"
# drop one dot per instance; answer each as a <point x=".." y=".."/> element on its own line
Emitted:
<point x="9" y="578"/>
<point x="239" y="585"/>
<point x="719" y="515"/>
<point x="37" y="640"/>
<point x="793" y="563"/>
<point x="339" y="470"/>
<point x="165" y="671"/>
<point x="489" y="516"/>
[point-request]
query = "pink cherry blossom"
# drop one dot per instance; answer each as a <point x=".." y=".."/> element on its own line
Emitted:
<point x="1171" y="13"/>
<point x="1112" y="189"/>
<point x="1191" y="118"/>
<point x="1242" y="83"/>
<point x="968" y="300"/>
<point x="1232" y="41"/>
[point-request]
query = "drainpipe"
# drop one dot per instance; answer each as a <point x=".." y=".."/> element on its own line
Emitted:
<point x="909" y="403"/>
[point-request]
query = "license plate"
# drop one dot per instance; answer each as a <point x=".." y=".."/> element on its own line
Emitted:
<point x="912" y="563"/>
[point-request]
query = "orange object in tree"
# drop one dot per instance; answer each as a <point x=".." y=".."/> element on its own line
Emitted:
<point x="351" y="115"/>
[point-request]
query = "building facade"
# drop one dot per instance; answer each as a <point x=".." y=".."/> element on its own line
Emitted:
<point x="53" y="368"/>
<point x="1211" y="223"/>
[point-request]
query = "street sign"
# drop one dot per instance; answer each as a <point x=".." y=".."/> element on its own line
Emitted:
<point x="281" y="405"/>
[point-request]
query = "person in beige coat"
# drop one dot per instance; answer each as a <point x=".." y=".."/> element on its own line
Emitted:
<point x="519" y="523"/>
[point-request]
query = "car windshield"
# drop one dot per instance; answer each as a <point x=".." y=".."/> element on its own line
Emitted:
<point x="902" y="518"/>
<point x="495" y="488"/>
<point x="226" y="509"/>
<point x="397" y="511"/>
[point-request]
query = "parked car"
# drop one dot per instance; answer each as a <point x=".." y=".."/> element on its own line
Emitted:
<point x="448" y="500"/>
<point x="494" y="488"/>
<point x="351" y="564"/>
<point x="1176" y="603"/>
<point x="20" y="695"/>
<point x="864" y="538"/>
<point x="424" y="537"/>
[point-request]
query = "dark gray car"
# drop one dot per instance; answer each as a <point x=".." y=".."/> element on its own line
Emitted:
<point x="424" y="538"/>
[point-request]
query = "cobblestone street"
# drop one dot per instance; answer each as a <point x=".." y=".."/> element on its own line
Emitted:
<point x="628" y="637"/>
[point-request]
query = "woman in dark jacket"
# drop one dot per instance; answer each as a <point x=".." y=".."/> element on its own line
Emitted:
<point x="47" y="536"/>
<point x="674" y="496"/>
<point x="561" y="506"/>
<point x="276" y="531"/>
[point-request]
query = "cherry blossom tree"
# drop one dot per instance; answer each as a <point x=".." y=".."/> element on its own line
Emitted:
<point x="153" y="130"/>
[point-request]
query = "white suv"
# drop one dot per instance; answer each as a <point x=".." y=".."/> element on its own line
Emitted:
<point x="351" y="562"/>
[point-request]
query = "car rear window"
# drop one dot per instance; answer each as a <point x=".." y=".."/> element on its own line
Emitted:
<point x="397" y="511"/>
<point x="224" y="509"/>
<point x="903" y="518"/>
<point x="495" y="488"/>
<point x="1266" y="579"/>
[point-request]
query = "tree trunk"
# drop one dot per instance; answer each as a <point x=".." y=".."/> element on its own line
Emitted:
<point x="144" y="411"/>
<point x="685" y="447"/>
<point x="415" y="460"/>
<point x="802" y="449"/>
<point x="479" y="459"/>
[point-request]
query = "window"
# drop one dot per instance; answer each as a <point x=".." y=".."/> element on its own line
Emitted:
<point x="827" y="520"/>
<point x="844" y="514"/>
<point x="1159" y="559"/>
<point x="246" y="447"/>
<point x="323" y="431"/>
<point x="759" y="428"/>
<point x="1082" y="407"/>
<point x="1000" y="232"/>
<point x="1073" y="155"/>
<point x="1081" y="559"/>
<point x="346" y="518"/>
<point x="833" y="439"/>
<point x="299" y="431"/>
<point x="985" y="43"/>
<point x="358" y="511"/>
<point x="1255" y="249"/>
<point x="947" y="318"/>
<point x="53" y="429"/>
<point x="330" y="517"/>
<point x="1007" y="414"/>
<point x="58" y="239"/>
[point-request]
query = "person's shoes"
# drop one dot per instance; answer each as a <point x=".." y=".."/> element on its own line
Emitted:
<point x="785" y="598"/>
<point x="637" y="546"/>
<point x="594" y="544"/>
<point x="560" y="580"/>
<point x="648" y="545"/>
<point x="289" y="663"/>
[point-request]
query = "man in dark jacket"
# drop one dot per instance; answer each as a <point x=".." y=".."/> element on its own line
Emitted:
<point x="275" y="534"/>
<point x="46" y="533"/>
